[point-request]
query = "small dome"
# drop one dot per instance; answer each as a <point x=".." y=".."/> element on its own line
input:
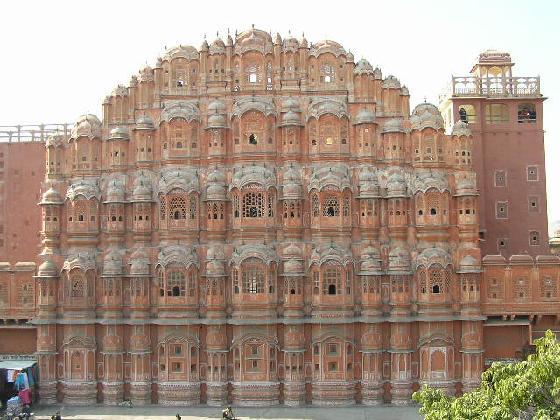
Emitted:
<point x="215" y="188"/>
<point x="204" y="46"/>
<point x="290" y="104"/>
<point x="120" y="90"/>
<point x="399" y="260"/>
<point x="363" y="67"/>
<point x="112" y="264"/>
<point x="426" y="115"/>
<point x="460" y="129"/>
<point x="365" y="116"/>
<point x="369" y="184"/>
<point x="218" y="46"/>
<point x="293" y="267"/>
<point x="144" y="123"/>
<point x="393" y="126"/>
<point x="86" y="126"/>
<point x="216" y="107"/>
<point x="47" y="269"/>
<point x="404" y="91"/>
<point x="349" y="57"/>
<point x="215" y="268"/>
<point x="142" y="190"/>
<point x="54" y="140"/>
<point x="115" y="193"/>
<point x="147" y="74"/>
<point x="292" y="250"/>
<point x="391" y="82"/>
<point x="469" y="264"/>
<point x="216" y="121"/>
<point x="396" y="185"/>
<point x="51" y="196"/>
<point x="139" y="267"/>
<point x="119" y="133"/>
<point x="290" y="43"/>
<point x="215" y="253"/>
<point x="291" y="118"/>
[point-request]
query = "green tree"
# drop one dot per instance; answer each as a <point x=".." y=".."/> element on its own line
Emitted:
<point x="529" y="389"/>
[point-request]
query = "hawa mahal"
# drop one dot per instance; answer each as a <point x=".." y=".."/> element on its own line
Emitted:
<point x="266" y="221"/>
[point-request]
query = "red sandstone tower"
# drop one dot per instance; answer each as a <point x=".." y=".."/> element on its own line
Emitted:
<point x="505" y="115"/>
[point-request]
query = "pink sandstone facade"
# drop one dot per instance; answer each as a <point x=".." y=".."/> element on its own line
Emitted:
<point x="264" y="221"/>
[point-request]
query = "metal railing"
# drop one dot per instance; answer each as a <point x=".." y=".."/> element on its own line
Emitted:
<point x="33" y="132"/>
<point x="493" y="86"/>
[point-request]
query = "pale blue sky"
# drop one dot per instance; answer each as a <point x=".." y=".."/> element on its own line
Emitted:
<point x="60" y="59"/>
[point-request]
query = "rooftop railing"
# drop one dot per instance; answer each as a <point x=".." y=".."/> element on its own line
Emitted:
<point x="493" y="87"/>
<point x="33" y="132"/>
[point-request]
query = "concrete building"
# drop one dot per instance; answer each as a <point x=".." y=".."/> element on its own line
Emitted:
<point x="265" y="221"/>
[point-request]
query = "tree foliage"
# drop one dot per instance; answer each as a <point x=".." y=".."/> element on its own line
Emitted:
<point x="529" y="389"/>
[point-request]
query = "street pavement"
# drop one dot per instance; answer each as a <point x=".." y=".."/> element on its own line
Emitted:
<point x="155" y="412"/>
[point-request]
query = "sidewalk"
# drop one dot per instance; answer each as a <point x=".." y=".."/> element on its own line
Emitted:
<point x="190" y="413"/>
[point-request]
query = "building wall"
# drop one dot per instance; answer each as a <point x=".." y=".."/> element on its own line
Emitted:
<point x="22" y="169"/>
<point x="262" y="222"/>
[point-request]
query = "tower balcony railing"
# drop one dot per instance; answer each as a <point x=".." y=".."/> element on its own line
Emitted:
<point x="493" y="87"/>
<point x="33" y="132"/>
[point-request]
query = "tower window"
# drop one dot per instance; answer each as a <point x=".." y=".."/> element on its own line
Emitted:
<point x="252" y="139"/>
<point x="534" y="204"/>
<point x="502" y="243"/>
<point x="502" y="210"/>
<point x="532" y="173"/>
<point x="526" y="113"/>
<point x="534" y="238"/>
<point x="253" y="78"/>
<point x="497" y="113"/>
<point x="500" y="178"/>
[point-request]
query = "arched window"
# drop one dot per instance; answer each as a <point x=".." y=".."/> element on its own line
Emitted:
<point x="526" y="113"/>
<point x="176" y="283"/>
<point x="439" y="280"/>
<point x="327" y="73"/>
<point x="331" y="206"/>
<point x="77" y="286"/>
<point x="177" y="208"/>
<point x="496" y="113"/>
<point x="253" y="276"/>
<point x="192" y="207"/>
<point x="467" y="113"/>
<point x="332" y="281"/>
<point x="315" y="205"/>
<point x="253" y="204"/>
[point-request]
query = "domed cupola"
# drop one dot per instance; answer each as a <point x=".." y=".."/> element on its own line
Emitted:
<point x="396" y="184"/>
<point x="291" y="184"/>
<point x="291" y="118"/>
<point x="426" y="115"/>
<point x="363" y="67"/>
<point x="365" y="116"/>
<point x="394" y="125"/>
<point x="215" y="186"/>
<point x="115" y="192"/>
<point x="142" y="188"/>
<point x="216" y="121"/>
<point x="47" y="269"/>
<point x="86" y="126"/>
<point x="119" y="133"/>
<point x="370" y="262"/>
<point x="51" y="197"/>
<point x="461" y="129"/>
<point x="144" y="122"/>
<point x="369" y="184"/>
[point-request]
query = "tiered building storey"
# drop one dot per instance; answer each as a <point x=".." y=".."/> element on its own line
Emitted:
<point x="264" y="221"/>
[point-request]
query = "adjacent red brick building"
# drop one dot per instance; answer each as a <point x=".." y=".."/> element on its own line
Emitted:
<point x="265" y="221"/>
